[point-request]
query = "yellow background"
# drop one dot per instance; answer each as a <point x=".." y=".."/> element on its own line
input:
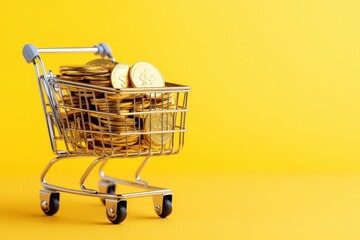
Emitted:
<point x="273" y="144"/>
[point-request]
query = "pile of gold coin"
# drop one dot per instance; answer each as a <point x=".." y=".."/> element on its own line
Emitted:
<point x="96" y="75"/>
<point x="105" y="129"/>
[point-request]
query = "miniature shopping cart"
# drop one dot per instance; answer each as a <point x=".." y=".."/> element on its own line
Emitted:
<point x="80" y="119"/>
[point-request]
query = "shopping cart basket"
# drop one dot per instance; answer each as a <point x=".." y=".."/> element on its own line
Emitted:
<point x="81" y="118"/>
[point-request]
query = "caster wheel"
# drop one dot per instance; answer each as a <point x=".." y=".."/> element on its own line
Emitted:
<point x="51" y="206"/>
<point x="116" y="211"/>
<point x="107" y="187"/>
<point x="166" y="207"/>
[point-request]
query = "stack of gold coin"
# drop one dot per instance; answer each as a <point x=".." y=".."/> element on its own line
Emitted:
<point x="104" y="63"/>
<point x="96" y="72"/>
<point x="163" y="102"/>
<point x="96" y="75"/>
<point x="106" y="73"/>
<point x="107" y="130"/>
<point x="72" y="100"/>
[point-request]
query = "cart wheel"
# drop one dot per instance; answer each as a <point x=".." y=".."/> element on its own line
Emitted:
<point x="52" y="207"/>
<point x="119" y="215"/>
<point x="166" y="207"/>
<point x="107" y="187"/>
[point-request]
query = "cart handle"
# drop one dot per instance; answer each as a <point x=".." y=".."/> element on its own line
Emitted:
<point x="30" y="52"/>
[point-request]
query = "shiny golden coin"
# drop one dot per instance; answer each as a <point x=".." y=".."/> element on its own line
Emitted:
<point x="113" y="103"/>
<point x="116" y="150"/>
<point x="121" y="96"/>
<point x="119" y="76"/>
<point x="82" y="68"/>
<point x="104" y="63"/>
<point x="107" y="116"/>
<point x="68" y="97"/>
<point x="97" y="78"/>
<point x="147" y="145"/>
<point x="159" y="122"/>
<point x="153" y="147"/>
<point x="70" y="113"/>
<point x="111" y="128"/>
<point x="106" y="148"/>
<point x="143" y="74"/>
<point x="127" y="122"/>
<point x="100" y="83"/>
<point x="122" y="120"/>
<point x="72" y="102"/>
<point x="72" y="78"/>
<point x="84" y="94"/>
<point x="83" y="73"/>
<point x="119" y="139"/>
<point x="142" y="106"/>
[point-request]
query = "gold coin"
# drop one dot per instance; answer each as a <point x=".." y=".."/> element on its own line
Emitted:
<point x="107" y="116"/>
<point x="116" y="138"/>
<point x="101" y="83"/>
<point x="105" y="128"/>
<point x="83" y="73"/>
<point x="80" y="67"/>
<point x="83" y="69"/>
<point x="104" y="63"/>
<point x="159" y="122"/>
<point x="72" y="78"/>
<point x="70" y="114"/>
<point x="103" y="147"/>
<point x="121" y="96"/>
<point x="96" y="78"/>
<point x="151" y="146"/>
<point x="112" y="103"/>
<point x="119" y="76"/>
<point x="143" y="74"/>
<point x="123" y="122"/>
<point x="84" y="94"/>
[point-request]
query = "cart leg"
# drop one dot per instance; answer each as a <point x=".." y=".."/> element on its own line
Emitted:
<point x="106" y="187"/>
<point x="48" y="167"/>
<point x="101" y="169"/>
<point x="87" y="172"/>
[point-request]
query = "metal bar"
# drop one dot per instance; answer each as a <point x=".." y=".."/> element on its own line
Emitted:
<point x="86" y="174"/>
<point x="184" y="123"/>
<point x="169" y="88"/>
<point x="130" y="183"/>
<point x="43" y="103"/>
<point x="88" y="110"/>
<point x="107" y="195"/>
<point x="68" y="50"/>
<point x="50" y="97"/>
<point x="50" y="164"/>
<point x="152" y="132"/>
<point x="154" y="111"/>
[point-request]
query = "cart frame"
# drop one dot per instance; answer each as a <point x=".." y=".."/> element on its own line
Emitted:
<point x="58" y="131"/>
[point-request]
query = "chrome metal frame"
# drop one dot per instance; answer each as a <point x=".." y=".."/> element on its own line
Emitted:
<point x="60" y="131"/>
